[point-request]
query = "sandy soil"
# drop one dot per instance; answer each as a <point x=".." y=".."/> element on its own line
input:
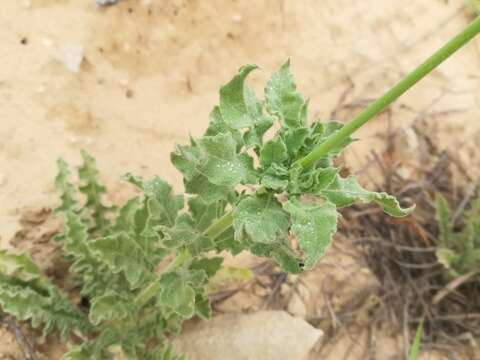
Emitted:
<point x="152" y="70"/>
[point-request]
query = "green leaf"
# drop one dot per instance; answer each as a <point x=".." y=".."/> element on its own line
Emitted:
<point x="209" y="265"/>
<point x="280" y="252"/>
<point x="235" y="103"/>
<point x="187" y="160"/>
<point x="222" y="165"/>
<point x="283" y="100"/>
<point x="295" y="139"/>
<point x="202" y="307"/>
<point x="253" y="137"/>
<point x="417" y="340"/>
<point x="20" y="267"/>
<point x="273" y="152"/>
<point x="177" y="295"/>
<point x="121" y="253"/>
<point x="347" y="191"/>
<point x="444" y="220"/>
<point x="65" y="188"/>
<point x="93" y="190"/>
<point x="203" y="213"/>
<point x="97" y="348"/>
<point x="314" y="226"/>
<point x="276" y="177"/>
<point x="218" y="126"/>
<point x="226" y="242"/>
<point x="185" y="233"/>
<point x="261" y="219"/>
<point x="163" y="352"/>
<point x="125" y="220"/>
<point x="319" y="132"/>
<point x="448" y="258"/>
<point x="110" y="307"/>
<point x="165" y="204"/>
<point x="209" y="192"/>
<point x="27" y="294"/>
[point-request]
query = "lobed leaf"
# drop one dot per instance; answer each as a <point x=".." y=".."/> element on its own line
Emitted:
<point x="93" y="190"/>
<point x="177" y="295"/>
<point x="187" y="159"/>
<point x="283" y="100"/>
<point x="314" y="226"/>
<point x="110" y="306"/>
<point x="347" y="191"/>
<point x="273" y="152"/>
<point x="236" y="104"/>
<point x="65" y="188"/>
<point x="222" y="165"/>
<point x="121" y="253"/>
<point x="260" y="219"/>
<point x="28" y="295"/>
<point x="444" y="220"/>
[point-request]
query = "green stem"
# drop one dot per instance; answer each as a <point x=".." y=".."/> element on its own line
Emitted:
<point x="154" y="287"/>
<point x="146" y="294"/>
<point x="373" y="109"/>
<point x="391" y="95"/>
<point x="219" y="226"/>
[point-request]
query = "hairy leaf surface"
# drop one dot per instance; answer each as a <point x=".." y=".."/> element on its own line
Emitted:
<point x="314" y="225"/>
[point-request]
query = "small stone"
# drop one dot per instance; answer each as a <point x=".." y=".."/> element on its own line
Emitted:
<point x="47" y="42"/>
<point x="72" y="57"/>
<point x="129" y="93"/>
<point x="106" y="2"/>
<point x="237" y="18"/>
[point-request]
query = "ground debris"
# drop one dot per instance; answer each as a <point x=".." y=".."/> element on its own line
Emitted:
<point x="401" y="253"/>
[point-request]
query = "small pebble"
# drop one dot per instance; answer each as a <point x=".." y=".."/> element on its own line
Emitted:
<point x="72" y="57"/>
<point x="129" y="93"/>
<point x="47" y="42"/>
<point x="106" y="2"/>
<point x="237" y="18"/>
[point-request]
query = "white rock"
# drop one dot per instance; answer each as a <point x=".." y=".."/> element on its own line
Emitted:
<point x="72" y="57"/>
<point x="106" y="2"/>
<point x="265" y="335"/>
<point x="47" y="42"/>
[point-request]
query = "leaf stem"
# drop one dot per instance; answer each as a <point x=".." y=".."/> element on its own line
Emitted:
<point x="219" y="226"/>
<point x="368" y="113"/>
<point x="146" y="294"/>
<point x="394" y="93"/>
<point x="183" y="256"/>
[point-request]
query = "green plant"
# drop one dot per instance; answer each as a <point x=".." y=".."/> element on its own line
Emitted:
<point x="146" y="267"/>
<point x="459" y="251"/>
<point x="416" y="343"/>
